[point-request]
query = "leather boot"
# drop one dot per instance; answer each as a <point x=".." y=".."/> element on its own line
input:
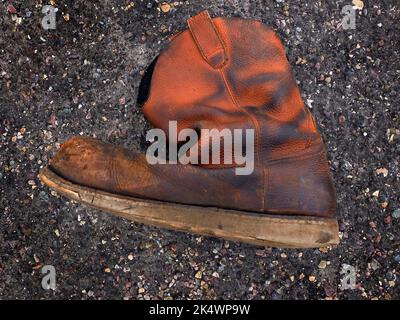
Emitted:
<point x="219" y="73"/>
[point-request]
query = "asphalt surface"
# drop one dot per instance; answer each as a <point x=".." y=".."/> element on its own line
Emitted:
<point x="82" y="79"/>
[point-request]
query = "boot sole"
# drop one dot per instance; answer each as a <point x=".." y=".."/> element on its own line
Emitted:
<point x="254" y="228"/>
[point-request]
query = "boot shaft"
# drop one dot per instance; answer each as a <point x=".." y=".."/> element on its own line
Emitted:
<point x="230" y="73"/>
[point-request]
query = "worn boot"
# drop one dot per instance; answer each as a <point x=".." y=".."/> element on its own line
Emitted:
<point x="221" y="73"/>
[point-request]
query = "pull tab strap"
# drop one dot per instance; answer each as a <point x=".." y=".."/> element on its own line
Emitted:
<point x="207" y="39"/>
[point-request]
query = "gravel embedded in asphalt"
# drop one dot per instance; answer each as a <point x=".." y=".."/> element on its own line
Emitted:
<point x="82" y="79"/>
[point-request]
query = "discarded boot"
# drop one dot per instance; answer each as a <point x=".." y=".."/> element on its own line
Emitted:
<point x="219" y="73"/>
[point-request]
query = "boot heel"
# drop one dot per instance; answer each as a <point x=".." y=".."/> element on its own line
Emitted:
<point x="254" y="228"/>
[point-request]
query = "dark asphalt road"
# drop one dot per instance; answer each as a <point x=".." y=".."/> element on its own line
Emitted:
<point x="82" y="78"/>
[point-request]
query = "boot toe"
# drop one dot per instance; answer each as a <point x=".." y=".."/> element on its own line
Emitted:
<point x="82" y="160"/>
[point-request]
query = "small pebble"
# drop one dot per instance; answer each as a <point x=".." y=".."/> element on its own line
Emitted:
<point x="11" y="9"/>
<point x="375" y="265"/>
<point x="165" y="7"/>
<point x="396" y="214"/>
<point x="382" y="171"/>
<point x="359" y="4"/>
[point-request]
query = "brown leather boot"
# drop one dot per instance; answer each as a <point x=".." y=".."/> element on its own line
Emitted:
<point x="219" y="73"/>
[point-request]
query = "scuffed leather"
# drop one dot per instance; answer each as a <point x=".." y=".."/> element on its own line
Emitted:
<point x="93" y="163"/>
